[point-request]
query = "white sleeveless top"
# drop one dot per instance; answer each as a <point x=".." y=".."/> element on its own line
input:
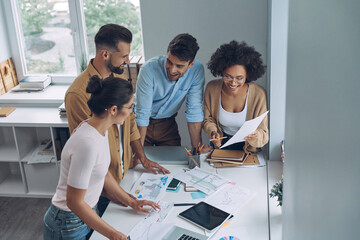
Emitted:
<point x="231" y="122"/>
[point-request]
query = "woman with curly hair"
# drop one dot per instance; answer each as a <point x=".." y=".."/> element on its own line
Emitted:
<point x="235" y="98"/>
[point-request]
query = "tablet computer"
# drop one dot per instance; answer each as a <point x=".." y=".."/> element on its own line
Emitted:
<point x="205" y="216"/>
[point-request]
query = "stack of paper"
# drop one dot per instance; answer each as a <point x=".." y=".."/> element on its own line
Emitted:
<point x="62" y="110"/>
<point x="35" y="82"/>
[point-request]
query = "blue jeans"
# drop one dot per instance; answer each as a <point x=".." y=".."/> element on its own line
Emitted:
<point x="61" y="225"/>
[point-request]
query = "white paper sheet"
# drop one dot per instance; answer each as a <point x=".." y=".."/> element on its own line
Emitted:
<point x="247" y="128"/>
<point x="205" y="181"/>
<point x="150" y="186"/>
<point x="230" y="198"/>
<point x="147" y="228"/>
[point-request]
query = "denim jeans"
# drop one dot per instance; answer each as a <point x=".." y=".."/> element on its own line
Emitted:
<point x="62" y="225"/>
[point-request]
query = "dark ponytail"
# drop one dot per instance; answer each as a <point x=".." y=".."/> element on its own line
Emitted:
<point x="108" y="92"/>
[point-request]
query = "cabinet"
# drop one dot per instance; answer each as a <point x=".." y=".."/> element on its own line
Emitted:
<point x="21" y="135"/>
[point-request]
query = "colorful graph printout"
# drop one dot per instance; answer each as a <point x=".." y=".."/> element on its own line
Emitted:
<point x="150" y="186"/>
<point x="229" y="238"/>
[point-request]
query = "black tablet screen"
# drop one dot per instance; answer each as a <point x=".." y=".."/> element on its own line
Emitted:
<point x="205" y="215"/>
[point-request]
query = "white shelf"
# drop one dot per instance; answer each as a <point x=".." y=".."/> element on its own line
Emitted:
<point x="34" y="117"/>
<point x="8" y="153"/>
<point x="52" y="96"/>
<point x="21" y="133"/>
<point x="12" y="185"/>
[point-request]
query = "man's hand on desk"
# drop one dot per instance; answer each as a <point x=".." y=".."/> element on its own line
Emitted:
<point x="138" y="205"/>
<point x="151" y="166"/>
<point x="139" y="155"/>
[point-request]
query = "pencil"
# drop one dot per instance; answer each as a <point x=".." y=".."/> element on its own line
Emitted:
<point x="213" y="139"/>
<point x="188" y="152"/>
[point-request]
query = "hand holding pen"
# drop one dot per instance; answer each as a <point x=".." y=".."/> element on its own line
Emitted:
<point x="216" y="139"/>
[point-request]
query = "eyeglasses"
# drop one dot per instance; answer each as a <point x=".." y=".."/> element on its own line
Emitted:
<point x="237" y="79"/>
<point x="132" y="107"/>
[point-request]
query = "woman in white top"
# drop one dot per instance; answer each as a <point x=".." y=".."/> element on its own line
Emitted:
<point x="85" y="161"/>
<point x="235" y="98"/>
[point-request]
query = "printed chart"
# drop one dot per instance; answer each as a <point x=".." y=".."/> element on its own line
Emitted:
<point x="229" y="238"/>
<point x="205" y="181"/>
<point x="150" y="186"/>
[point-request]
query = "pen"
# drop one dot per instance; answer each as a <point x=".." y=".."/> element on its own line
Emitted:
<point x="213" y="139"/>
<point x="184" y="204"/>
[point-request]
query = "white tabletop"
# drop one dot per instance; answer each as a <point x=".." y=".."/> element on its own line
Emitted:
<point x="253" y="216"/>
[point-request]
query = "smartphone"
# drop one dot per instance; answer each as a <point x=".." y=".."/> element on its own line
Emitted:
<point x="173" y="185"/>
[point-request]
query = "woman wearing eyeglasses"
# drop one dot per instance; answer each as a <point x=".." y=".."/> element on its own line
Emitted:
<point x="235" y="98"/>
<point x="85" y="162"/>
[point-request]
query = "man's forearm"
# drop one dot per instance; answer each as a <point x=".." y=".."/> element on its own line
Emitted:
<point x="142" y="131"/>
<point x="138" y="149"/>
<point x="195" y="133"/>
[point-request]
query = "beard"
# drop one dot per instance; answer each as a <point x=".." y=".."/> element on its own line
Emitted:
<point x="114" y="69"/>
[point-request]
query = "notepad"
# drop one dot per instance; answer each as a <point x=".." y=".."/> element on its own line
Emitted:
<point x="5" y="111"/>
<point x="234" y="155"/>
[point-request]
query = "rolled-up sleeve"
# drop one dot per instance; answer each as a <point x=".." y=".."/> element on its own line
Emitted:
<point x="144" y="97"/>
<point x="194" y="109"/>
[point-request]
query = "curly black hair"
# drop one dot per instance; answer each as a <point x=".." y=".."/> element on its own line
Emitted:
<point x="235" y="53"/>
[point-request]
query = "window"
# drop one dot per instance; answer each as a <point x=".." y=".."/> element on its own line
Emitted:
<point x="56" y="37"/>
<point x="48" y="44"/>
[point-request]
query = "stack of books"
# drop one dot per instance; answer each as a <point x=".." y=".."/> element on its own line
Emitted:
<point x="62" y="110"/>
<point x="231" y="158"/>
<point x="33" y="83"/>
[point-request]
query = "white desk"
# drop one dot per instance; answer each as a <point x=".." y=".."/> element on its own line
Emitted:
<point x="253" y="216"/>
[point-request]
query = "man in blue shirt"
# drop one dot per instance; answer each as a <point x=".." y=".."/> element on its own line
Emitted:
<point x="162" y="86"/>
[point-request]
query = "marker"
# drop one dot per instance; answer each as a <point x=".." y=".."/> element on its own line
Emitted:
<point x="184" y="204"/>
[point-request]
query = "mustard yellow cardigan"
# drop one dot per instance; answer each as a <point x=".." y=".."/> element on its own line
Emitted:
<point x="256" y="106"/>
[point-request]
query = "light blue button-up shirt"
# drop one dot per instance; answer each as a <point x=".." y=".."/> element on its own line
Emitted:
<point x="158" y="97"/>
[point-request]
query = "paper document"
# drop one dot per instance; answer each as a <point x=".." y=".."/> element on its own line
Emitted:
<point x="231" y="232"/>
<point x="205" y="181"/>
<point x="247" y="128"/>
<point x="142" y="229"/>
<point x="150" y="186"/>
<point x="230" y="198"/>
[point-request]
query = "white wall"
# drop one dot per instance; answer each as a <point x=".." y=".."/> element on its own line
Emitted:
<point x="4" y="43"/>
<point x="321" y="171"/>
<point x="211" y="22"/>
<point x="279" y="10"/>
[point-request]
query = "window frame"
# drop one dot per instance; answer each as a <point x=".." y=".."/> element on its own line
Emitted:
<point x="78" y="32"/>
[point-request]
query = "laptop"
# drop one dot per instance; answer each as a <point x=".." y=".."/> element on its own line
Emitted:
<point x="173" y="155"/>
<point x="179" y="233"/>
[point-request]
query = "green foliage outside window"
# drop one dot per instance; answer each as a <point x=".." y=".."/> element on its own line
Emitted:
<point x="34" y="15"/>
<point x="100" y="12"/>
